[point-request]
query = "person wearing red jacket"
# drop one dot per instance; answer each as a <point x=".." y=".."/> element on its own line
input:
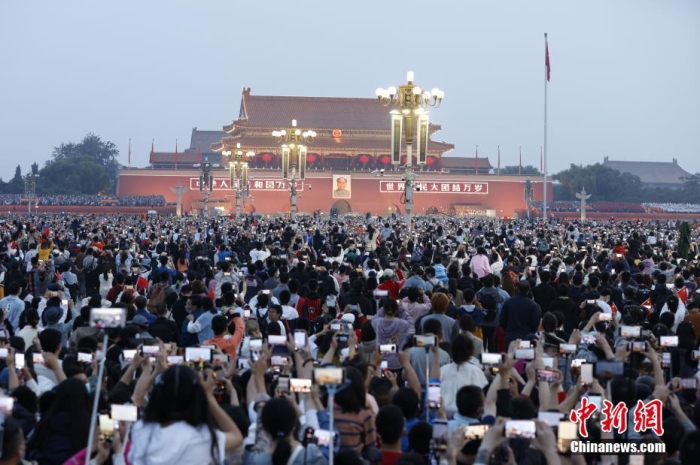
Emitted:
<point x="391" y="282"/>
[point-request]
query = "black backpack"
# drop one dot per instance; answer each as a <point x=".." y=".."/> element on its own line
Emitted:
<point x="489" y="305"/>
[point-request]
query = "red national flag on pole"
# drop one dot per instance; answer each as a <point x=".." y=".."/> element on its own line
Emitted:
<point x="547" y="66"/>
<point x="199" y="154"/>
<point x="520" y="166"/>
<point x="152" y="157"/>
<point x="476" y="161"/>
<point x="176" y="154"/>
<point x="129" y="156"/>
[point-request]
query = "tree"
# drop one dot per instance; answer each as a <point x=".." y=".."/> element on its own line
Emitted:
<point x="35" y="168"/>
<point x="526" y="170"/>
<point x="16" y="184"/>
<point x="91" y="150"/>
<point x="603" y="182"/>
<point x="74" y="175"/>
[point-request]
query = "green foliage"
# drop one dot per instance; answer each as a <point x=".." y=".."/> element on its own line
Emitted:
<point x="526" y="170"/>
<point x="88" y="162"/>
<point x="603" y="182"/>
<point x="35" y="168"/>
<point x="73" y="175"/>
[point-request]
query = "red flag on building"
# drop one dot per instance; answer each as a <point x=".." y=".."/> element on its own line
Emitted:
<point x="176" y="154"/>
<point x="129" y="156"/>
<point x="499" y="160"/>
<point x="546" y="57"/>
<point x="152" y="157"/>
<point x="520" y="166"/>
<point x="199" y="154"/>
<point x="476" y="161"/>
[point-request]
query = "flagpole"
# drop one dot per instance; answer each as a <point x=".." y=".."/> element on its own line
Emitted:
<point x="499" y="160"/>
<point x="129" y="153"/>
<point x="544" y="174"/>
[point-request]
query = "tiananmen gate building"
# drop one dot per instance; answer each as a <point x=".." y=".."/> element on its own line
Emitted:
<point x="353" y="141"/>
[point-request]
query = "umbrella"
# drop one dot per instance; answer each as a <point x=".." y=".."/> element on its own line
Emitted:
<point x="684" y="241"/>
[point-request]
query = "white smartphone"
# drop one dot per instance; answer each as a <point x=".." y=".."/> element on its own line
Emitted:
<point x="299" y="339"/>
<point x="548" y="361"/>
<point x="124" y="412"/>
<point x="587" y="373"/>
<point x="434" y="395"/>
<point x="276" y="340"/>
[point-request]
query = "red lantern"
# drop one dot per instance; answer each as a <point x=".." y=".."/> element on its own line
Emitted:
<point x="385" y="159"/>
<point x="266" y="157"/>
<point x="364" y="159"/>
<point x="311" y="158"/>
<point x="430" y="161"/>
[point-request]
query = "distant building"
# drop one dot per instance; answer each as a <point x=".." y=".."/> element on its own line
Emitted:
<point x="652" y="173"/>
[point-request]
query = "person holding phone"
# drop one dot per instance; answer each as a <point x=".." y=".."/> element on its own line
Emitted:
<point x="279" y="419"/>
<point x="461" y="372"/>
<point x="227" y="343"/>
<point x="183" y="422"/>
<point x="391" y="329"/>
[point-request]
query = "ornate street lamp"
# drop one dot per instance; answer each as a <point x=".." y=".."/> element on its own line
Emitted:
<point x="293" y="145"/>
<point x="409" y="121"/>
<point x="30" y="190"/>
<point x="238" y="170"/>
<point x="206" y="182"/>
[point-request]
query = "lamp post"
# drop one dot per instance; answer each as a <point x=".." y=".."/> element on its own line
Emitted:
<point x="293" y="144"/>
<point x="238" y="170"/>
<point x="409" y="118"/>
<point x="30" y="190"/>
<point x="206" y="182"/>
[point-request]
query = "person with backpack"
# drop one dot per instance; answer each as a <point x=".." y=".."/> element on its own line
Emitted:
<point x="542" y="245"/>
<point x="310" y="306"/>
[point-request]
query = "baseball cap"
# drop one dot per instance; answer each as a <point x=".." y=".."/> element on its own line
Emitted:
<point x="139" y="320"/>
<point x="52" y="315"/>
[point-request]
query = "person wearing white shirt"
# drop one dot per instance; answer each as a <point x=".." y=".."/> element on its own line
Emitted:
<point x="461" y="372"/>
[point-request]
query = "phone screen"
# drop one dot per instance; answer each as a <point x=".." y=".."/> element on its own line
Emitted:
<point x="567" y="348"/>
<point x="490" y="359"/>
<point x="596" y="400"/>
<point x="434" y="395"/>
<point x="124" y="412"/>
<point x="521" y="429"/>
<point x="551" y="418"/>
<point x="299" y="339"/>
<point x="669" y="341"/>
<point x="587" y="373"/>
<point x="566" y="432"/>
<point x="630" y="331"/>
<point x="255" y="344"/>
<point x="525" y="354"/>
<point x="283" y="383"/>
<point x="197" y="354"/>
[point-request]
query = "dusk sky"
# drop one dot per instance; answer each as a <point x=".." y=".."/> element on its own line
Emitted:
<point x="625" y="79"/>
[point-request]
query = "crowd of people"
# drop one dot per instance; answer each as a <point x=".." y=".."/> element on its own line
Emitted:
<point x="592" y="206"/>
<point x="87" y="200"/>
<point x="351" y="340"/>
<point x="674" y="207"/>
